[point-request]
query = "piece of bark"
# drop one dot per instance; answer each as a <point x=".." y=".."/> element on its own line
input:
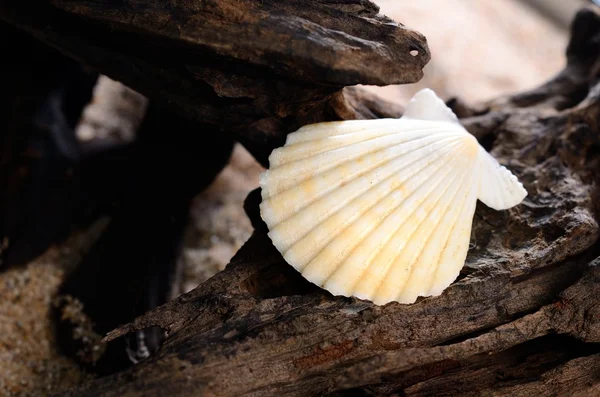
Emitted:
<point x="532" y="277"/>
<point x="273" y="67"/>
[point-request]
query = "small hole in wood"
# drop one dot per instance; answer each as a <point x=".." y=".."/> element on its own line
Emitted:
<point x="414" y="53"/>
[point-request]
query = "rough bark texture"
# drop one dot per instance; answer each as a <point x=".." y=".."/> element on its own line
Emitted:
<point x="522" y="319"/>
<point x="272" y="67"/>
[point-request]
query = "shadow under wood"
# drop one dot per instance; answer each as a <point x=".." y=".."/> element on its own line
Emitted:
<point x="276" y="281"/>
<point x="42" y="96"/>
<point x="130" y="269"/>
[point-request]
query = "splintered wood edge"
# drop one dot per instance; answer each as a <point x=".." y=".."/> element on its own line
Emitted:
<point x="357" y="35"/>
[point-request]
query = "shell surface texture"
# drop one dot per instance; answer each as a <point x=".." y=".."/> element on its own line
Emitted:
<point x="382" y="209"/>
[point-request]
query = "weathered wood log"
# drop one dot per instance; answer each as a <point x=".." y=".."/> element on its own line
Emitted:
<point x="288" y="67"/>
<point x="272" y="67"/>
<point x="522" y="319"/>
<point x="52" y="185"/>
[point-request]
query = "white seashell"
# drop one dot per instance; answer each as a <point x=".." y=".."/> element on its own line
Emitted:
<point x="382" y="209"/>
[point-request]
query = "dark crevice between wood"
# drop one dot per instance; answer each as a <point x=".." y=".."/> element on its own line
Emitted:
<point x="130" y="269"/>
<point x="528" y="361"/>
<point x="488" y="141"/>
<point x="276" y="281"/>
<point x="515" y="366"/>
<point x="42" y="96"/>
<point x="576" y="267"/>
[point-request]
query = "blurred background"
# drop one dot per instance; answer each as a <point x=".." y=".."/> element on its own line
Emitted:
<point x="480" y="49"/>
<point x="483" y="49"/>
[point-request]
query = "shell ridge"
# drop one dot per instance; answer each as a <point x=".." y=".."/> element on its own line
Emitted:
<point x="435" y="261"/>
<point x="279" y="174"/>
<point x="341" y="182"/>
<point x="376" y="202"/>
<point x="404" y="200"/>
<point x="466" y="220"/>
<point x="426" y="105"/>
<point x="294" y="162"/>
<point x="442" y="180"/>
<point x="386" y="277"/>
<point x="494" y="187"/>
<point x="367" y="131"/>
<point x="322" y="130"/>
<point x="501" y="189"/>
<point x="296" y="146"/>
<point x="396" y="164"/>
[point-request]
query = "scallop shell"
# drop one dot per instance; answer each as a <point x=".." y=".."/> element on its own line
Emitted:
<point x="382" y="209"/>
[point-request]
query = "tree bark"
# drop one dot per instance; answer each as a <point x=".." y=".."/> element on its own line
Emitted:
<point x="523" y="318"/>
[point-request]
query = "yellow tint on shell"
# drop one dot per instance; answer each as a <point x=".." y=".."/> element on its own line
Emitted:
<point x="382" y="209"/>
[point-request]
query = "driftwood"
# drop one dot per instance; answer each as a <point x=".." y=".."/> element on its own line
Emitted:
<point x="522" y="319"/>
<point x="272" y="67"/>
<point x="286" y="73"/>
<point x="52" y="185"/>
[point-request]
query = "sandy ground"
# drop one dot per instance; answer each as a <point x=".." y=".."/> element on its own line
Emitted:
<point x="30" y="363"/>
<point x="481" y="49"/>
